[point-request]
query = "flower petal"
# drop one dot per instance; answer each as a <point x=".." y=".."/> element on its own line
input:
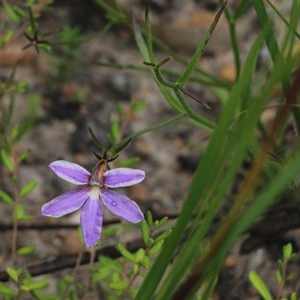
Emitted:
<point x="65" y="203"/>
<point x="70" y="172"/>
<point x="122" y="206"/>
<point x="91" y="219"/>
<point x="120" y="177"/>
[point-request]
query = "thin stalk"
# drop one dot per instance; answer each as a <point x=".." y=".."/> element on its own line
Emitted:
<point x="148" y="32"/>
<point x="15" y="220"/>
<point x="190" y="112"/>
<point x="74" y="273"/>
<point x="283" y="19"/>
<point x="200" y="49"/>
<point x="158" y="126"/>
<point x="234" y="42"/>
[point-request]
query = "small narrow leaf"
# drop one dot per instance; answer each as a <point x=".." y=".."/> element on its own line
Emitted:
<point x="31" y="19"/>
<point x="146" y="262"/>
<point x="11" y="12"/>
<point x="287" y="251"/>
<point x="161" y="222"/>
<point x="294" y="296"/>
<point x="13" y="274"/>
<point x="145" y="232"/>
<point x="149" y="219"/>
<point x="125" y="253"/>
<point x="96" y="140"/>
<point x="120" y="146"/>
<point x="115" y="130"/>
<point x="25" y="288"/>
<point x="278" y="277"/>
<point x="21" y="215"/>
<point x="129" y="162"/>
<point x="259" y="285"/>
<point x="136" y="106"/>
<point x="118" y="285"/>
<point x="26" y="250"/>
<point x="6" y="198"/>
<point x="7" y="160"/>
<point x="69" y="279"/>
<point x="24" y="155"/>
<point x="139" y="39"/>
<point x="20" y="12"/>
<point x="5" y="290"/>
<point x="8" y="36"/>
<point x="28" y="187"/>
<point x="155" y="248"/>
<point x="139" y="255"/>
<point x="163" y="236"/>
<point x="37" y="284"/>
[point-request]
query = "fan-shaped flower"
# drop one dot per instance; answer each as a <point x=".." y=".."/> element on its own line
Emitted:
<point x="98" y="186"/>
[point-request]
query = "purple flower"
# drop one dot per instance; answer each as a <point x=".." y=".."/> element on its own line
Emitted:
<point x="98" y="186"/>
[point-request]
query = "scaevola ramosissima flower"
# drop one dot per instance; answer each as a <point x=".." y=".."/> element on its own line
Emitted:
<point x="98" y="186"/>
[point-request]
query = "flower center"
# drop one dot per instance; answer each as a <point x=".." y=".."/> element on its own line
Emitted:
<point x="97" y="175"/>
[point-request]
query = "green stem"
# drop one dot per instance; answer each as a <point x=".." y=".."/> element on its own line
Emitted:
<point x="234" y="42"/>
<point x="200" y="49"/>
<point x="190" y="111"/>
<point x="148" y="32"/>
<point x="157" y="126"/>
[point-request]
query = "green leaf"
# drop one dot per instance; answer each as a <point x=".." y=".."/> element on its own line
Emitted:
<point x="102" y="274"/>
<point x="96" y="140"/>
<point x="8" y="36"/>
<point x="287" y="251"/>
<point x="69" y="279"/>
<point x="120" y="146"/>
<point x="125" y="253"/>
<point x="10" y="10"/>
<point x="163" y="236"/>
<point x="6" y="198"/>
<point x="149" y="219"/>
<point x="145" y="232"/>
<point x="20" y="12"/>
<point x="294" y="296"/>
<point x="28" y="187"/>
<point x="20" y="212"/>
<point x="160" y="223"/>
<point x="26" y="250"/>
<point x="35" y="285"/>
<point x="146" y="262"/>
<point x="278" y="276"/>
<point x="25" y="288"/>
<point x="129" y="162"/>
<point x="31" y="19"/>
<point x="115" y="130"/>
<point x="108" y="262"/>
<point x="106" y="268"/>
<point x="5" y="290"/>
<point x="118" y="285"/>
<point x="139" y="39"/>
<point x="13" y="274"/>
<point x="139" y="255"/>
<point x="136" y="106"/>
<point x="155" y="248"/>
<point x="7" y="160"/>
<point x="24" y="155"/>
<point x="259" y="285"/>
